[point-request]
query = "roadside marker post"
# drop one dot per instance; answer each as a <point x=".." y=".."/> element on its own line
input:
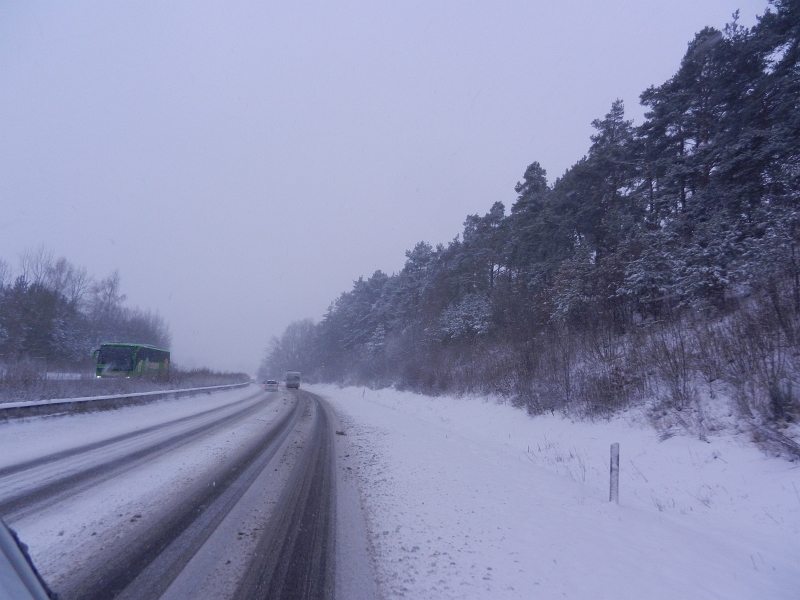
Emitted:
<point x="614" y="492"/>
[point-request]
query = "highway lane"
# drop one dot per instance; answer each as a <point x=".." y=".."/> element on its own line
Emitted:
<point x="25" y="485"/>
<point x="264" y="517"/>
<point x="295" y="559"/>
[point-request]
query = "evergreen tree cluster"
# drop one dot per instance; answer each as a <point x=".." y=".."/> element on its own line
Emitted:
<point x="55" y="314"/>
<point x="666" y="256"/>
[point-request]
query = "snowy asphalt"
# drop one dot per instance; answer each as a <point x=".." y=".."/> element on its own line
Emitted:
<point x="239" y="500"/>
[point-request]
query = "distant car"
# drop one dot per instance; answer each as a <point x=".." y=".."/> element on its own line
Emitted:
<point x="271" y="385"/>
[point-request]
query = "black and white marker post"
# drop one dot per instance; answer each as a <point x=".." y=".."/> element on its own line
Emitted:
<point x="614" y="493"/>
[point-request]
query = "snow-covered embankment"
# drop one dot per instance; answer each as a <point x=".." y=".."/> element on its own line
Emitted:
<point x="467" y="498"/>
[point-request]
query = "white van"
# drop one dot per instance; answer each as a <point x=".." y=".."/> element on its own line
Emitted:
<point x="293" y="379"/>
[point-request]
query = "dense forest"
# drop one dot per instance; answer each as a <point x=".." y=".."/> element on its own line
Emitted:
<point x="54" y="314"/>
<point x="664" y="265"/>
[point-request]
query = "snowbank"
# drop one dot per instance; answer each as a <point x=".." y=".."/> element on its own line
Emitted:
<point x="467" y="498"/>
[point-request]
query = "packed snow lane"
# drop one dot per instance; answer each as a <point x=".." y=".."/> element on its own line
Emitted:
<point x="228" y="497"/>
<point x="44" y="479"/>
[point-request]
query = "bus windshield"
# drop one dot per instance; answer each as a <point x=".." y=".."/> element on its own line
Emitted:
<point x="116" y="358"/>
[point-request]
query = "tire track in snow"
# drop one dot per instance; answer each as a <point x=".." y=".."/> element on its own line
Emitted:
<point x="190" y="527"/>
<point x="67" y="473"/>
<point x="43" y="460"/>
<point x="285" y="476"/>
<point x="295" y="558"/>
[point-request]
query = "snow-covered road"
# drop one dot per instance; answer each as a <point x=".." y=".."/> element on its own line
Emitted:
<point x="467" y="498"/>
<point x="212" y="496"/>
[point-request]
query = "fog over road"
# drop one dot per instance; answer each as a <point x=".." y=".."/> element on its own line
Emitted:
<point x="231" y="495"/>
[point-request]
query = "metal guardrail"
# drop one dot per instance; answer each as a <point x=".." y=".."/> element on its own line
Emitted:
<point x="12" y="410"/>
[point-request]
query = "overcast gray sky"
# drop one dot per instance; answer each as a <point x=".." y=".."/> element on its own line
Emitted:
<point x="241" y="163"/>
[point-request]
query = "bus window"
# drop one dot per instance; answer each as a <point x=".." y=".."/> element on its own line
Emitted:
<point x="116" y="358"/>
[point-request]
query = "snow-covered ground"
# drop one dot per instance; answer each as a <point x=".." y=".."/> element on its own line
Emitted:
<point x="469" y="498"/>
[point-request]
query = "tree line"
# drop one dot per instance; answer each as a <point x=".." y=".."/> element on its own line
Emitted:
<point x="54" y="313"/>
<point x="663" y="264"/>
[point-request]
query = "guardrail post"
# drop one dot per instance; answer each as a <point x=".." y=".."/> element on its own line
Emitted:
<point x="613" y="495"/>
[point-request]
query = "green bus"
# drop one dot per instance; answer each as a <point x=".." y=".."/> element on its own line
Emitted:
<point x="131" y="360"/>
